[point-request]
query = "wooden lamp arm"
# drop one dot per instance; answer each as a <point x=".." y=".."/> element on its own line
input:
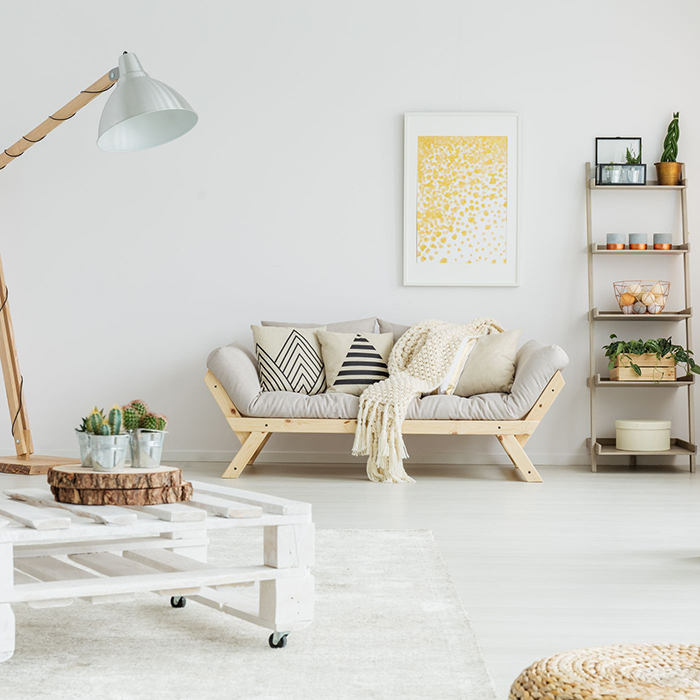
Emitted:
<point x="64" y="114"/>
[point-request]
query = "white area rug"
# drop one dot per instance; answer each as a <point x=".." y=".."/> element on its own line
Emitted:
<point x="389" y="624"/>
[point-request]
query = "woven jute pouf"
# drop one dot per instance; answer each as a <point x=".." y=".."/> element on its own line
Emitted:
<point x="624" y="672"/>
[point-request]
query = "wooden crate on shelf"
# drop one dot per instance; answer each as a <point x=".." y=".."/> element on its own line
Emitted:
<point x="653" y="368"/>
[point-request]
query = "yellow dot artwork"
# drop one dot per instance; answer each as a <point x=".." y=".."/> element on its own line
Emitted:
<point x="460" y="177"/>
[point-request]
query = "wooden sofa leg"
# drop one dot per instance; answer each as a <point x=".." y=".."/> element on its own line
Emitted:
<point x="250" y="449"/>
<point x="520" y="460"/>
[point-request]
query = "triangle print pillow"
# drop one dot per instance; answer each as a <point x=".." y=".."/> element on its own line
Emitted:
<point x="353" y="361"/>
<point x="289" y="359"/>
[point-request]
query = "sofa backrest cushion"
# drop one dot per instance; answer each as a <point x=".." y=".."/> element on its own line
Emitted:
<point x="353" y="361"/>
<point x="490" y="366"/>
<point x="396" y="328"/>
<point x="289" y="359"/>
<point x="363" y="325"/>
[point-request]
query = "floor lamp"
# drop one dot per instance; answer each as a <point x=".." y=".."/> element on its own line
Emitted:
<point x="139" y="114"/>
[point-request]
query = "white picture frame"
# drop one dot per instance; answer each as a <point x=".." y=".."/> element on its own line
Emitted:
<point x="461" y="210"/>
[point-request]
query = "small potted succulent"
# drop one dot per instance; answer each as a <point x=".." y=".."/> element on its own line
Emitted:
<point x="668" y="170"/>
<point x="612" y="174"/>
<point x="83" y="435"/>
<point x="107" y="442"/>
<point x="634" y="175"/>
<point x="147" y="433"/>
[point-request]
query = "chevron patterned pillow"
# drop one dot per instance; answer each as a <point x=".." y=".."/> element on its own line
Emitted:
<point x="353" y="361"/>
<point x="289" y="359"/>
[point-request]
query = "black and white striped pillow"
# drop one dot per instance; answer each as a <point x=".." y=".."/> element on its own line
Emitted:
<point x="353" y="361"/>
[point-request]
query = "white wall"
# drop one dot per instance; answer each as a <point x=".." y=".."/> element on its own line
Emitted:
<point x="286" y="200"/>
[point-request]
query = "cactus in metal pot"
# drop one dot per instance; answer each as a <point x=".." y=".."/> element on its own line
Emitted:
<point x="131" y="417"/>
<point x="141" y="407"/>
<point x="149" y="422"/>
<point x="161" y="422"/>
<point x="95" y="421"/>
<point x="105" y="430"/>
<point x="115" y="420"/>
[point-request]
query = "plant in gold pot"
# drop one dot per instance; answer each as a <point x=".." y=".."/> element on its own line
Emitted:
<point x="668" y="170"/>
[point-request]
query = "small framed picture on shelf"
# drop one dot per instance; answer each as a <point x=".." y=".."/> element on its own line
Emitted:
<point x="619" y="161"/>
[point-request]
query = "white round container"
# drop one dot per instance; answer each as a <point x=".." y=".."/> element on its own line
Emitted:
<point x="643" y="435"/>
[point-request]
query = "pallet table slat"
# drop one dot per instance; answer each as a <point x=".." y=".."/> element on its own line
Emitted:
<point x="173" y="512"/>
<point x="4" y="522"/>
<point x="163" y="560"/>
<point x="108" y="515"/>
<point x="94" y="546"/>
<point x="51" y="569"/>
<point x="20" y="577"/>
<point x="33" y="517"/>
<point x="110" y="564"/>
<point x="270" y="504"/>
<point x="224" y="507"/>
<point x="144" y="582"/>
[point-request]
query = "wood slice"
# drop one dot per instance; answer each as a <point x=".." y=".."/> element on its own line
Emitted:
<point x="123" y="497"/>
<point x="86" y="478"/>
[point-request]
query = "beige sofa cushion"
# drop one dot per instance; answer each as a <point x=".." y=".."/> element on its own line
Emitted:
<point x="353" y="361"/>
<point x="490" y="366"/>
<point x="289" y="359"/>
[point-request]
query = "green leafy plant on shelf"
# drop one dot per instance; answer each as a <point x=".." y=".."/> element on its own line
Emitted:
<point x="673" y="133"/>
<point x="632" y="158"/>
<point x="661" y="347"/>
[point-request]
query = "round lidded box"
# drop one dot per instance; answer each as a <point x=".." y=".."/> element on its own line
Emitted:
<point x="643" y="435"/>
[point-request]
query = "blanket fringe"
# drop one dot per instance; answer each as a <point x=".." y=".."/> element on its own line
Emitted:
<point x="417" y="365"/>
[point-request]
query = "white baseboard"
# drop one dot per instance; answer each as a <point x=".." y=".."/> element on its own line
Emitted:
<point x="325" y="458"/>
<point x="319" y="457"/>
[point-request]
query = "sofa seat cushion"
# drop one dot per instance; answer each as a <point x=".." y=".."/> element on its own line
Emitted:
<point x="285" y="404"/>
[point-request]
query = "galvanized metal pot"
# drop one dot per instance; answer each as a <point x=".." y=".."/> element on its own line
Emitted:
<point x="146" y="448"/>
<point x="84" y="446"/>
<point x="108" y="452"/>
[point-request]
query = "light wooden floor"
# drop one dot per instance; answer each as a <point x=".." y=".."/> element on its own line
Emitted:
<point x="580" y="560"/>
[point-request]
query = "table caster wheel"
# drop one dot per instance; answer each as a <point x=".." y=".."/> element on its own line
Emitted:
<point x="278" y="640"/>
<point x="178" y="601"/>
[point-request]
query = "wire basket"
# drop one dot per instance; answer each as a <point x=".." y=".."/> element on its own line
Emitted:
<point x="641" y="296"/>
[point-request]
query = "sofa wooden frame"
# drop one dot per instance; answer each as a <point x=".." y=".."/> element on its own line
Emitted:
<point x="253" y="433"/>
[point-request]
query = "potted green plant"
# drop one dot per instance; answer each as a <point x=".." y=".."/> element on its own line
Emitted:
<point x="107" y="441"/>
<point x="612" y="174"/>
<point x="668" y="170"/>
<point x="83" y="434"/>
<point x="147" y="433"/>
<point x="634" y="175"/>
<point x="652" y="360"/>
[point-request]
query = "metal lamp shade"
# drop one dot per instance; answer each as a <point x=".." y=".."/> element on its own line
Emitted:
<point x="142" y="112"/>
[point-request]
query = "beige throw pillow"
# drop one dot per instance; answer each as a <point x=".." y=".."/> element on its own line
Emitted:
<point x="289" y="359"/>
<point x="490" y="366"/>
<point x="353" y="361"/>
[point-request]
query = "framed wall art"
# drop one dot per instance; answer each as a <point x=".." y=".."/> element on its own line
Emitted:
<point x="461" y="199"/>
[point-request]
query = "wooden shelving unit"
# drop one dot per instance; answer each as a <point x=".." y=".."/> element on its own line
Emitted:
<point x="605" y="446"/>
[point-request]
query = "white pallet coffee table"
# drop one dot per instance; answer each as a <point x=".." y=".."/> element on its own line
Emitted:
<point x="123" y="551"/>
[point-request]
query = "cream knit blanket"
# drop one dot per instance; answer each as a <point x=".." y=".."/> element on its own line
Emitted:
<point x="418" y="363"/>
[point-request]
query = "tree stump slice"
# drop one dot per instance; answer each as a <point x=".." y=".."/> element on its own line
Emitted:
<point x="80" y="478"/>
<point x="123" y="497"/>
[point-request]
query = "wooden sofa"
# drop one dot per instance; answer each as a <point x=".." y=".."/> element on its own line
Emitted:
<point x="254" y="432"/>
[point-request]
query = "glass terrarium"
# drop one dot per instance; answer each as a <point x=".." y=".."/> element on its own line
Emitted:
<point x="619" y="161"/>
